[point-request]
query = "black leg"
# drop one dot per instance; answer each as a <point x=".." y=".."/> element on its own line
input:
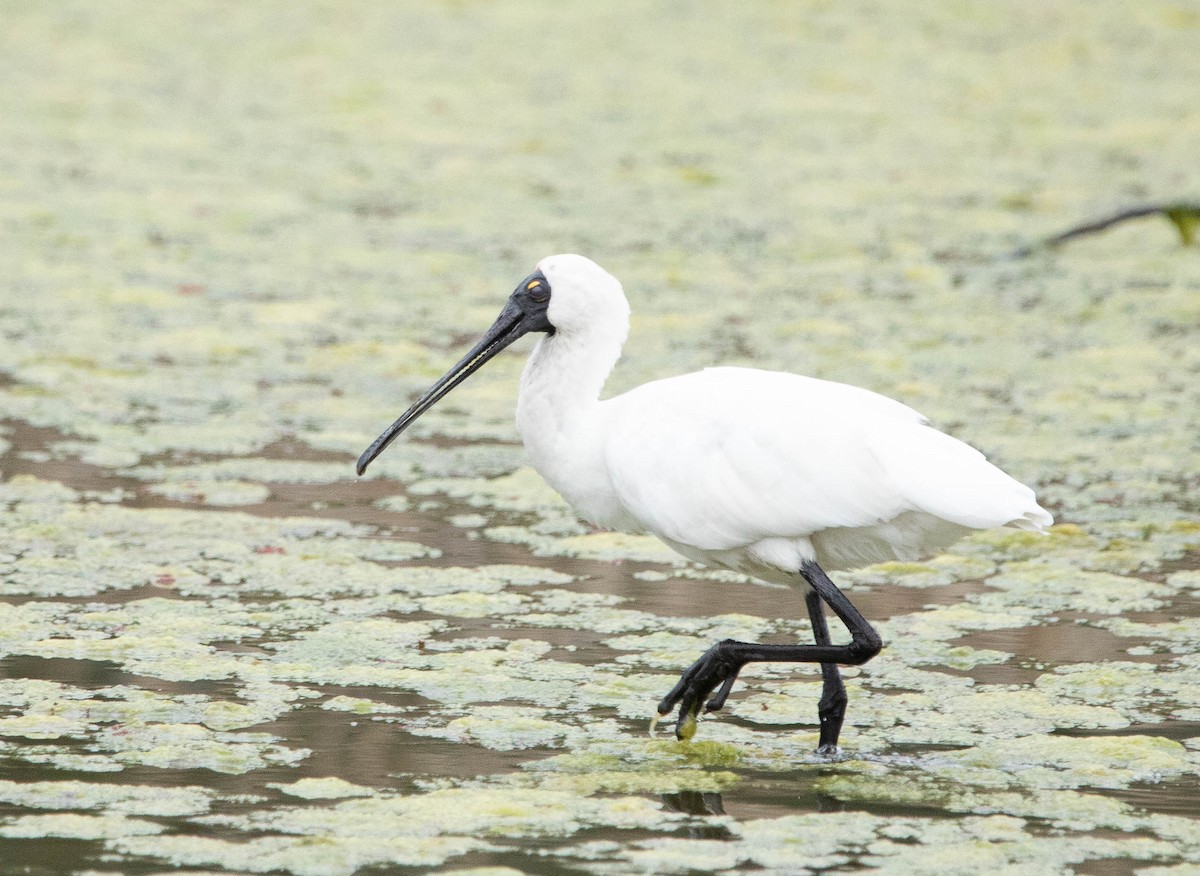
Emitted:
<point x="722" y="662"/>
<point x="832" y="707"/>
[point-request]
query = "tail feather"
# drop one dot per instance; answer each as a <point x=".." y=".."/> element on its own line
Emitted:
<point x="941" y="475"/>
<point x="1035" y="520"/>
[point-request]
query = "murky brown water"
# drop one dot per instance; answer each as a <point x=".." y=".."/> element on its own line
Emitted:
<point x="385" y="755"/>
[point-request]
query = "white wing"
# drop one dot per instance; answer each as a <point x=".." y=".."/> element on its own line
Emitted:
<point x="725" y="457"/>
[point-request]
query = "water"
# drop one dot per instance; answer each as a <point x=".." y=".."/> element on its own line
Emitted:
<point x="245" y="240"/>
<point x="760" y="773"/>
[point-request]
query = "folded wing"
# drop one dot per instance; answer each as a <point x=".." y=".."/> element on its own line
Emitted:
<point x="726" y="457"/>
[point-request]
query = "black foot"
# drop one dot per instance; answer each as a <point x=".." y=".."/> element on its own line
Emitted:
<point x="717" y="667"/>
<point x="831" y="709"/>
<point x="831" y="728"/>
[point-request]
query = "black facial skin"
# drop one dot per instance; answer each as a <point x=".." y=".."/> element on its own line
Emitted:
<point x="525" y="312"/>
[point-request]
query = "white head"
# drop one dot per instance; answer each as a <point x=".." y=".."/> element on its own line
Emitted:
<point x="583" y="296"/>
<point x="570" y="298"/>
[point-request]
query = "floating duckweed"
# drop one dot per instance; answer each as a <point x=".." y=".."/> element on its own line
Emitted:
<point x="422" y="581"/>
<point x="1186" y="580"/>
<point x="188" y="746"/>
<point x="910" y="786"/>
<point x="132" y="707"/>
<point x="476" y="604"/>
<point x="504" y="728"/>
<point x="174" y="548"/>
<point x="709" y="753"/>
<point x="126" y="799"/>
<point x="608" y="751"/>
<point x="223" y="492"/>
<point x="1138" y="690"/>
<point x="1180" y="636"/>
<point x="72" y="826"/>
<point x="302" y="855"/>
<point x="96" y="453"/>
<point x="359" y="706"/>
<point x="358" y="642"/>
<point x="670" y="855"/>
<point x="328" y="788"/>
<point x="255" y="469"/>
<point x="593" y="546"/>
<point x="1058" y="588"/>
<point x="942" y="622"/>
<point x="397" y="504"/>
<point x="421" y="830"/>
<point x="1070" y="762"/>
<point x="522" y="490"/>
<point x="651" y="575"/>
<point x="61" y="757"/>
<point x="131" y="726"/>
<point x="790" y="703"/>
<point x="40" y="726"/>
<point x="936" y="572"/>
<point x="809" y="843"/>
<point x="661" y="649"/>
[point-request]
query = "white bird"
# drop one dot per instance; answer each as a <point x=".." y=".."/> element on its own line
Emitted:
<point x="774" y="475"/>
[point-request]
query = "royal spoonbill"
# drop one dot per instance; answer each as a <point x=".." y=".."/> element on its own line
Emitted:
<point x="777" y="476"/>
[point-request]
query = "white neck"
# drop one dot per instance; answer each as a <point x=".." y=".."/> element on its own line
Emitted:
<point x="561" y="384"/>
<point x="562" y="422"/>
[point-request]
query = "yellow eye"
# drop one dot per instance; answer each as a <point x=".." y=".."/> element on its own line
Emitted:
<point x="532" y="284"/>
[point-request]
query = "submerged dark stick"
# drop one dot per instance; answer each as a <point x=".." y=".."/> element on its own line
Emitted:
<point x="1184" y="216"/>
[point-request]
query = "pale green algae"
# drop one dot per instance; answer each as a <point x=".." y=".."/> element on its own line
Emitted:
<point x="139" y="728"/>
<point x="360" y="195"/>
<point x="329" y="788"/>
<point x="256" y="469"/>
<point x="303" y="856"/>
<point x="344" y="641"/>
<point x="359" y="706"/>
<point x="167" y="547"/>
<point x="802" y="844"/>
<point x="222" y="492"/>
<point x="414" y="830"/>
<point x="73" y="826"/>
<point x="592" y="546"/>
<point x="1140" y="691"/>
<point x="122" y="799"/>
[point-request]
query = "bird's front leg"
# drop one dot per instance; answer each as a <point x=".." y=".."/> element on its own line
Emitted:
<point x="720" y="665"/>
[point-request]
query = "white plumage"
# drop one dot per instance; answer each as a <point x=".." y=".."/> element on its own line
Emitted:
<point x="747" y="469"/>
<point x="775" y="475"/>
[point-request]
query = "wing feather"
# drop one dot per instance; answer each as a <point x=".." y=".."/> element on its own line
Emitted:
<point x="726" y="457"/>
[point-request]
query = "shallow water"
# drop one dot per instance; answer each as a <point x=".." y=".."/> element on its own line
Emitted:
<point x="244" y="240"/>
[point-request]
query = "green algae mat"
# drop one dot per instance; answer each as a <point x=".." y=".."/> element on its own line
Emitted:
<point x="237" y="239"/>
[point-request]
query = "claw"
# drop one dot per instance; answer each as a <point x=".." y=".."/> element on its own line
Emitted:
<point x="713" y="671"/>
<point x="718" y="700"/>
<point x="685" y="728"/>
<point x="668" y="702"/>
